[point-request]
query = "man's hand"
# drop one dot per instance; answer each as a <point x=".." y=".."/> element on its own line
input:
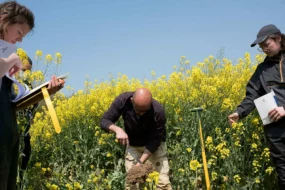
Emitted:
<point x="277" y="113"/>
<point x="138" y="164"/>
<point x="55" y="85"/>
<point x="121" y="135"/>
<point x="233" y="118"/>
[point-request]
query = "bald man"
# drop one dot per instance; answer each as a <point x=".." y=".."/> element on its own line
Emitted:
<point x="144" y="134"/>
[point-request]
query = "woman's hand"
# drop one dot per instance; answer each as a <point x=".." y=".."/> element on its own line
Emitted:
<point x="277" y="113"/>
<point x="14" y="60"/>
<point x="233" y="118"/>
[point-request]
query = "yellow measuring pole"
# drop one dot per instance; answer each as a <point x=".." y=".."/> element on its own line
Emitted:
<point x="204" y="156"/>
<point x="198" y="111"/>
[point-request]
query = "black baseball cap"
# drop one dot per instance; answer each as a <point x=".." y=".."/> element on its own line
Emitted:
<point x="264" y="32"/>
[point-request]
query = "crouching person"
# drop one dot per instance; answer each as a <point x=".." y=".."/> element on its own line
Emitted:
<point x="144" y="134"/>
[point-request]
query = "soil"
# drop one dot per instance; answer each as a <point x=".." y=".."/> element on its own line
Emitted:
<point x="138" y="174"/>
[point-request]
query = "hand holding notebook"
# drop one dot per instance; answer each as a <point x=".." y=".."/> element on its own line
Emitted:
<point x="264" y="105"/>
<point x="27" y="97"/>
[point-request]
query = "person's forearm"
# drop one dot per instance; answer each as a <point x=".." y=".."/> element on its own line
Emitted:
<point x="111" y="116"/>
<point x="113" y="128"/>
<point x="146" y="154"/>
<point x="5" y="65"/>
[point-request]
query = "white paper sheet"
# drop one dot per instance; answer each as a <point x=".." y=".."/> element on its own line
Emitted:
<point x="6" y="49"/>
<point x="264" y="104"/>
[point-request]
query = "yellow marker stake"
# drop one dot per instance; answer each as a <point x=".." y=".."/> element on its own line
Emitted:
<point x="51" y="110"/>
<point x="198" y="111"/>
<point x="204" y="157"/>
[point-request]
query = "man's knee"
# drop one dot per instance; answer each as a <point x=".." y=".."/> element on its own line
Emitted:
<point x="131" y="186"/>
<point x="164" y="182"/>
<point x="165" y="187"/>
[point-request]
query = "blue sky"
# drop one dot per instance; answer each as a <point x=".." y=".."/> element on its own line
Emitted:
<point x="134" y="37"/>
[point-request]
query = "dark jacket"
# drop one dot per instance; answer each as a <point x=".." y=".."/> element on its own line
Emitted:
<point x="269" y="75"/>
<point x="146" y="130"/>
<point x="9" y="138"/>
<point x="8" y="123"/>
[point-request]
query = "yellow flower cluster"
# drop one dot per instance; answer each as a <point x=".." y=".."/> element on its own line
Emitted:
<point x="218" y="85"/>
<point x="153" y="177"/>
<point x="22" y="55"/>
<point x="237" y="178"/>
<point x="194" y="165"/>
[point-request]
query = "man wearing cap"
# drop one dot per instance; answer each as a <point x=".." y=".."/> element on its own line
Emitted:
<point x="269" y="75"/>
<point x="144" y="134"/>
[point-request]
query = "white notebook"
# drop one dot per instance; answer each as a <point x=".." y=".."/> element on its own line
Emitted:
<point x="24" y="91"/>
<point x="264" y="104"/>
<point x="6" y="49"/>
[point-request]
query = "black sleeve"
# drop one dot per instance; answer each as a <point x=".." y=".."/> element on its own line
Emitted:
<point x="112" y="114"/>
<point x="253" y="91"/>
<point x="157" y="132"/>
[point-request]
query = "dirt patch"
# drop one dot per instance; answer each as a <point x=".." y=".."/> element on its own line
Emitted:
<point x="138" y="174"/>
